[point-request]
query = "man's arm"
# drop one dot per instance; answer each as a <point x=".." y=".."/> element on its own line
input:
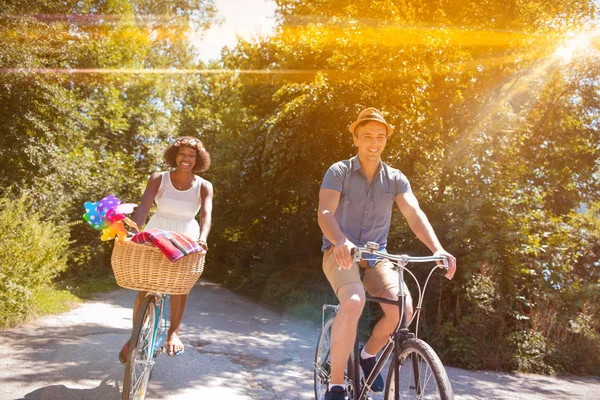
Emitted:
<point x="419" y="224"/>
<point x="329" y="200"/>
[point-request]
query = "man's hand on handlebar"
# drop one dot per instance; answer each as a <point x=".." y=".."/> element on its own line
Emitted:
<point x="451" y="262"/>
<point x="342" y="255"/>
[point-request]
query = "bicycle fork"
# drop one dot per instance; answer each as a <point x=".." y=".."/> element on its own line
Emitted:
<point x="160" y="331"/>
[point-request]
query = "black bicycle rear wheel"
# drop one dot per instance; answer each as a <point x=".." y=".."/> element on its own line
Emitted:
<point x="322" y="365"/>
<point x="140" y="358"/>
<point x="422" y="374"/>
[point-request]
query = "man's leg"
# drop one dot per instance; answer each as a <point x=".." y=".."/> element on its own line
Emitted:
<point x="386" y="325"/>
<point x="343" y="331"/>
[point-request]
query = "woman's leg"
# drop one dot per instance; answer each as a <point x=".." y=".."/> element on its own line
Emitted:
<point x="137" y="303"/>
<point x="178" y="303"/>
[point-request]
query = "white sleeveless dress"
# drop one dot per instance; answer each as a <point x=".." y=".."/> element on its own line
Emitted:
<point x="177" y="209"/>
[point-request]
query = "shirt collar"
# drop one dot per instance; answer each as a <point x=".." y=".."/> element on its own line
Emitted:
<point x="356" y="166"/>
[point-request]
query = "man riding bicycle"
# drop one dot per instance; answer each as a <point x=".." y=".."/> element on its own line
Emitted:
<point x="355" y="207"/>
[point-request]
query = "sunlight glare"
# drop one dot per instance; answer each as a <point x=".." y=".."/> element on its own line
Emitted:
<point x="241" y="19"/>
<point x="571" y="47"/>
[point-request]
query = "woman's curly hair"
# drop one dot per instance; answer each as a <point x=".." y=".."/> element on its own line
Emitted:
<point x="202" y="156"/>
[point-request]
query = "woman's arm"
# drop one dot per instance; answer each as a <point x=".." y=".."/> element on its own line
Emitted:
<point x="206" y="194"/>
<point x="141" y="213"/>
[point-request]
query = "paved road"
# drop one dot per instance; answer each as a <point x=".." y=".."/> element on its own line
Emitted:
<point x="235" y="349"/>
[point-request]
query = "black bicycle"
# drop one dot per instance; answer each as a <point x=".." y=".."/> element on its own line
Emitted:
<point x="415" y="371"/>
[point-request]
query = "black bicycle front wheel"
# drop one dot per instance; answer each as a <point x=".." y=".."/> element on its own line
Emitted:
<point x="140" y="357"/>
<point x="322" y="365"/>
<point x="422" y="374"/>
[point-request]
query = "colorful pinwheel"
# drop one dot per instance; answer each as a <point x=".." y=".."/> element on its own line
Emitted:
<point x="108" y="215"/>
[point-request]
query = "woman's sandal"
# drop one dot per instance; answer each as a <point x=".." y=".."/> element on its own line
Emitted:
<point x="124" y="353"/>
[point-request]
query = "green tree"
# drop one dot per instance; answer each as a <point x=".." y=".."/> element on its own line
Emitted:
<point x="494" y="130"/>
<point x="77" y="124"/>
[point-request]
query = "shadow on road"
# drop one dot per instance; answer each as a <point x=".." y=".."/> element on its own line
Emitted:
<point x="517" y="386"/>
<point x="234" y="349"/>
<point x="82" y="352"/>
<point x="106" y="391"/>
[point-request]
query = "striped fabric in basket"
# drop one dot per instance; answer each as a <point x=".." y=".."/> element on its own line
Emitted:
<point x="172" y="244"/>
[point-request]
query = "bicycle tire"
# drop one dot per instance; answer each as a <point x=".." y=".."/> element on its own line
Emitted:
<point x="322" y="365"/>
<point x="140" y="358"/>
<point x="422" y="374"/>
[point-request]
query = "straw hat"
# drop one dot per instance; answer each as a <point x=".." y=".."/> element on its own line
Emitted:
<point x="371" y="114"/>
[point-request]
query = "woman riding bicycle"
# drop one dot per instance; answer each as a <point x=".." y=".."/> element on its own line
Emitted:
<point x="355" y="207"/>
<point x="179" y="195"/>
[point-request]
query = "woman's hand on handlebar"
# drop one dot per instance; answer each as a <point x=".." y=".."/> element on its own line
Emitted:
<point x="451" y="262"/>
<point x="342" y="255"/>
<point x="203" y="245"/>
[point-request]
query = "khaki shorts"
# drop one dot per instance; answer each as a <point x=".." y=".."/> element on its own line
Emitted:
<point x="376" y="280"/>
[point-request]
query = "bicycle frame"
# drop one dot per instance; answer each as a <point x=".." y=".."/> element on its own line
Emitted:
<point x="160" y="328"/>
<point x="401" y="332"/>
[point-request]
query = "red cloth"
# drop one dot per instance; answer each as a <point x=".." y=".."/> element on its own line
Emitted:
<point x="172" y="244"/>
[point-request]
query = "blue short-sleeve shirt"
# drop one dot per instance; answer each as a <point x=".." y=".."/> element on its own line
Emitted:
<point x="364" y="212"/>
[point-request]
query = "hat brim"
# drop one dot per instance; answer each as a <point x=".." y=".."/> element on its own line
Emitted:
<point x="389" y="128"/>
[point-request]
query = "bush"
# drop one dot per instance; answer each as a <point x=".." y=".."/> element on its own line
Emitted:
<point x="529" y="352"/>
<point x="32" y="252"/>
<point x="577" y="350"/>
<point x="458" y="348"/>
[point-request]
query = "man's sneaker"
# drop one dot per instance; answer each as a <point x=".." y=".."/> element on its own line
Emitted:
<point x="336" y="393"/>
<point x="367" y="365"/>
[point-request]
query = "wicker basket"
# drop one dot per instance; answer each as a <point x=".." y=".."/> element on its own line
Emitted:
<point x="144" y="267"/>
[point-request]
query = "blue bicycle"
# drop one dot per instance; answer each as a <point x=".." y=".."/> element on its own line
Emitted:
<point x="146" y="343"/>
<point x="144" y="268"/>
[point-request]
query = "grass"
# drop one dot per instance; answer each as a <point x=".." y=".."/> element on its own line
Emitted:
<point x="84" y="289"/>
<point x="45" y="300"/>
<point x="58" y="299"/>
<point x="49" y="300"/>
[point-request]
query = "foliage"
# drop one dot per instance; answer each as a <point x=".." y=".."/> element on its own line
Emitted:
<point x="68" y="138"/>
<point x="529" y="352"/>
<point x="77" y="125"/>
<point x="494" y="131"/>
<point x="460" y="348"/>
<point x="32" y="253"/>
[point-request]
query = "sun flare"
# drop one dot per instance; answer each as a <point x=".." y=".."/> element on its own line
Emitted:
<point x="574" y="46"/>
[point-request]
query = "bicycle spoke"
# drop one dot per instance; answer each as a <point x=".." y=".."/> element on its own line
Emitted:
<point x="425" y="377"/>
